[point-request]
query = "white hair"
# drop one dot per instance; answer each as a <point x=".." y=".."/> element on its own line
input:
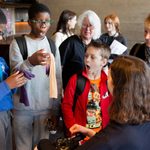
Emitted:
<point x="94" y="21"/>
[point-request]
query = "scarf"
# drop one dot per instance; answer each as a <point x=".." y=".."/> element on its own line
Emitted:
<point x="52" y="77"/>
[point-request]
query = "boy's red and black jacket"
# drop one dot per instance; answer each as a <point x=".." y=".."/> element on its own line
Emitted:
<point x="79" y="114"/>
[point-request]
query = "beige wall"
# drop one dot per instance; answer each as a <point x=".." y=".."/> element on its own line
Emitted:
<point x="131" y="13"/>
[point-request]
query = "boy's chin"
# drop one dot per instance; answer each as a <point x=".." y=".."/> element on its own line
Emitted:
<point x="42" y="34"/>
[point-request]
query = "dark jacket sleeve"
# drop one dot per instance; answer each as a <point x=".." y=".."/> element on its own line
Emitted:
<point x="64" y="50"/>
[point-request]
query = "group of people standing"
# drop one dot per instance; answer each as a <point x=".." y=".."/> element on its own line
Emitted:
<point x="111" y="103"/>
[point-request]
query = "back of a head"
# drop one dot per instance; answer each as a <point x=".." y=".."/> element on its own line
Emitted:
<point x="94" y="21"/>
<point x="37" y="8"/>
<point x="131" y="93"/>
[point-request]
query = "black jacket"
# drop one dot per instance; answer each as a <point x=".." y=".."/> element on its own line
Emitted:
<point x="113" y="137"/>
<point x="138" y="50"/>
<point x="72" y="52"/>
<point x="120" y="137"/>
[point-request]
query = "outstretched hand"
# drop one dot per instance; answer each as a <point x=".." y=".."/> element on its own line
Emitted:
<point x="76" y="128"/>
<point x="15" y="80"/>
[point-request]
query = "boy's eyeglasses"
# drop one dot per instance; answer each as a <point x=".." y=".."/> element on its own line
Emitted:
<point x="41" y="22"/>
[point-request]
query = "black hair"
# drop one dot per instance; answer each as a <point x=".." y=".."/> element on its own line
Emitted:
<point x="37" y="8"/>
<point x="3" y="19"/>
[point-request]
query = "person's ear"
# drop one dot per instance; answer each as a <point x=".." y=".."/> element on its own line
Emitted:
<point x="104" y="62"/>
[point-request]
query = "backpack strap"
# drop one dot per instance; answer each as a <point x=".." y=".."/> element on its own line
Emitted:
<point x="52" y="45"/>
<point x="22" y="46"/>
<point x="80" y="85"/>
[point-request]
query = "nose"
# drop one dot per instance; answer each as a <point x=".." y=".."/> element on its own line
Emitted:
<point x="43" y="23"/>
<point x="87" y="59"/>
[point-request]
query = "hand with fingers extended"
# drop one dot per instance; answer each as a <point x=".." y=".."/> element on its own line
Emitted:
<point x="39" y="58"/>
<point x="15" y="80"/>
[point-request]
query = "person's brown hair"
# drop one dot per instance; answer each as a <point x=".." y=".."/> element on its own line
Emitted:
<point x="131" y="93"/>
<point x="65" y="16"/>
<point x="104" y="49"/>
<point x="115" y="20"/>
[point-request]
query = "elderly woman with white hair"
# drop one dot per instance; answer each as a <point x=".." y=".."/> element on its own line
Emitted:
<point x="72" y="49"/>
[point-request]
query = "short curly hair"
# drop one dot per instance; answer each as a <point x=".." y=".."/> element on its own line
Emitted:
<point x="37" y="8"/>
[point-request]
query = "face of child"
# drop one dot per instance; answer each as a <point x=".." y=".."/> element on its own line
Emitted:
<point x="147" y="36"/>
<point x="109" y="25"/>
<point x="40" y="24"/>
<point x="94" y="61"/>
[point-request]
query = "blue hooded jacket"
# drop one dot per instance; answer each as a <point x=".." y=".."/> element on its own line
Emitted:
<point x="6" y="102"/>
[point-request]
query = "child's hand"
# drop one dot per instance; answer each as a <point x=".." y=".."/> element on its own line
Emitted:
<point x="15" y="80"/>
<point x="76" y="128"/>
<point x="39" y="58"/>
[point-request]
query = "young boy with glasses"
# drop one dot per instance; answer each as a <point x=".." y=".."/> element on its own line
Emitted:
<point x="29" y="120"/>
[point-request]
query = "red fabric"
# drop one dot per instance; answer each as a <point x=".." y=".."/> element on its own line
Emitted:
<point x="79" y="115"/>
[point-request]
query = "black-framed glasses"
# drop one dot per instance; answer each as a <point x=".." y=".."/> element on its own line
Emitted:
<point x="41" y="22"/>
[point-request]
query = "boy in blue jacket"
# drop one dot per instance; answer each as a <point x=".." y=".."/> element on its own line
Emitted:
<point x="7" y="84"/>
